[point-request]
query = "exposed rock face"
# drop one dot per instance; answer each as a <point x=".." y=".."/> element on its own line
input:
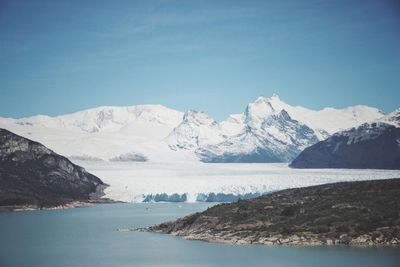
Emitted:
<point x="274" y="138"/>
<point x="31" y="174"/>
<point x="370" y="146"/>
<point x="351" y="213"/>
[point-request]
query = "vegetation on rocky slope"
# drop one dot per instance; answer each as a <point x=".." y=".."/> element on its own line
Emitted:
<point x="354" y="213"/>
<point x="33" y="176"/>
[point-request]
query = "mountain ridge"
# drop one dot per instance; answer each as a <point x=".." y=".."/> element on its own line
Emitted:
<point x="161" y="134"/>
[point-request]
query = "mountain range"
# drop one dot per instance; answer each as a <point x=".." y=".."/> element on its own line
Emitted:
<point x="269" y="130"/>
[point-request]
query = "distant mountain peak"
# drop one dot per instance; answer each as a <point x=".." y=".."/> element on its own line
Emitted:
<point x="260" y="108"/>
<point x="197" y="117"/>
<point x="276" y="96"/>
<point x="393" y="118"/>
<point x="273" y="98"/>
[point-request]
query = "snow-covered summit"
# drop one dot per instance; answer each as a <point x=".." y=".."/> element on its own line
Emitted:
<point x="114" y="118"/>
<point x="262" y="108"/>
<point x="108" y="118"/>
<point x="329" y="119"/>
<point x="372" y="130"/>
<point x="197" y="118"/>
<point x="103" y="132"/>
<point x="195" y="130"/>
<point x="392" y="118"/>
<point x="276" y="137"/>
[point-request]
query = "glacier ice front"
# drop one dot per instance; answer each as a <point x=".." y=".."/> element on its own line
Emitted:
<point x="196" y="181"/>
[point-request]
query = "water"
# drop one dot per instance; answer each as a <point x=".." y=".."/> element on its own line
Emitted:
<point x="88" y="237"/>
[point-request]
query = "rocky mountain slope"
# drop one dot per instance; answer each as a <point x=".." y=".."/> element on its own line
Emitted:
<point x="33" y="175"/>
<point x="269" y="130"/>
<point x="269" y="138"/>
<point x="370" y="146"/>
<point x="350" y="213"/>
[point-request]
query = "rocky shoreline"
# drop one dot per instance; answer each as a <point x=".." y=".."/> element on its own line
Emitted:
<point x="69" y="205"/>
<point x="363" y="213"/>
<point x="305" y="240"/>
<point x="75" y="204"/>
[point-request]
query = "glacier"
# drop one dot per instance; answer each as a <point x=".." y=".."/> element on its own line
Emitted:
<point x="197" y="181"/>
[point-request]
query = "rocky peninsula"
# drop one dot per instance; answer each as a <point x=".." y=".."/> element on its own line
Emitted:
<point x="365" y="213"/>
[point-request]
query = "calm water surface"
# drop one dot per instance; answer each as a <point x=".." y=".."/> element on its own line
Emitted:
<point x="88" y="237"/>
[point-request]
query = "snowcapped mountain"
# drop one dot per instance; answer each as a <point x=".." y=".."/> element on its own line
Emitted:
<point x="102" y="133"/>
<point x="330" y="120"/>
<point x="392" y="118"/>
<point x="195" y="130"/>
<point x="373" y="145"/>
<point x="269" y="130"/>
<point x="111" y="119"/>
<point x="273" y="137"/>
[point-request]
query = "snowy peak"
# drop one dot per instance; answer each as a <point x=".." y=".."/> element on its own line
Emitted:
<point x="372" y="130"/>
<point x="102" y="132"/>
<point x="263" y="107"/>
<point x="393" y="118"/>
<point x="195" y="130"/>
<point x="333" y="120"/>
<point x="273" y="137"/>
<point x="107" y="118"/>
<point x="198" y="118"/>
<point x="329" y="120"/>
<point x="113" y="118"/>
<point x="271" y="130"/>
<point x="233" y="125"/>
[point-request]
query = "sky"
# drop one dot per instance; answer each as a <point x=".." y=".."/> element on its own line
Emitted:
<point x="58" y="57"/>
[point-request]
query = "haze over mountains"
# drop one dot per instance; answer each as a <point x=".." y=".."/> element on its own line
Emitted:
<point x="269" y="130"/>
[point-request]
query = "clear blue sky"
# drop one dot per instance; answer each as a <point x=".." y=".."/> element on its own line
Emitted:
<point x="57" y="57"/>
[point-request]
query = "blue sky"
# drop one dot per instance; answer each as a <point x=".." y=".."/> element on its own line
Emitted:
<point x="57" y="57"/>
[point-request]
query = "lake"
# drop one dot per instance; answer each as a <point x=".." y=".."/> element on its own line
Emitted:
<point x="88" y="237"/>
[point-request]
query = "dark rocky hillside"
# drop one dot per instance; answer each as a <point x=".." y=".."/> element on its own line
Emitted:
<point x="351" y="213"/>
<point x="33" y="175"/>
<point x="370" y="146"/>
